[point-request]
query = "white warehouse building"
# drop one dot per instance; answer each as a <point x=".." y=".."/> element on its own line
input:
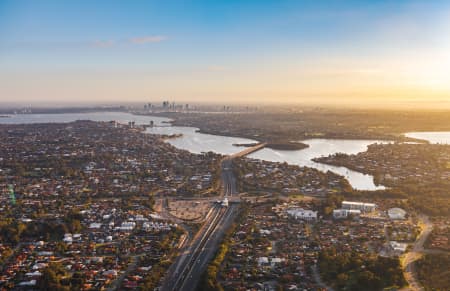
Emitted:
<point x="364" y="207"/>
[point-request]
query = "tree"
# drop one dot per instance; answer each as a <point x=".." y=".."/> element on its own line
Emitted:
<point x="51" y="278"/>
<point x="77" y="281"/>
<point x="75" y="226"/>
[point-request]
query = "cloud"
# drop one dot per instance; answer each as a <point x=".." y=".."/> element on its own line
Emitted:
<point x="148" y="39"/>
<point x="134" y="40"/>
<point x="103" y="43"/>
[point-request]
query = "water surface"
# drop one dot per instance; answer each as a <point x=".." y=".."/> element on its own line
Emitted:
<point x="442" y="137"/>
<point x="197" y="142"/>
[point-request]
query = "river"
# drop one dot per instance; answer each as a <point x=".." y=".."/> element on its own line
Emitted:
<point x="197" y="142"/>
<point x="442" y="137"/>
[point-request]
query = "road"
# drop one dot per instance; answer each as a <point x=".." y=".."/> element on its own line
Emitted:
<point x="185" y="273"/>
<point x="228" y="178"/>
<point x="131" y="267"/>
<point x="415" y="254"/>
<point x="318" y="280"/>
<point x="201" y="258"/>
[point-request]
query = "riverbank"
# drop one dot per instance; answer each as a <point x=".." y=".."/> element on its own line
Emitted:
<point x="171" y="136"/>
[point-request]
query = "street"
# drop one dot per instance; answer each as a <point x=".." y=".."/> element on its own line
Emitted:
<point x="415" y="254"/>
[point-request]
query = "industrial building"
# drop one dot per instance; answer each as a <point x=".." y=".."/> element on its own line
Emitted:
<point x="364" y="207"/>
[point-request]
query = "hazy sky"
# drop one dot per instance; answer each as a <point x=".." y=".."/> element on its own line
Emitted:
<point x="374" y="52"/>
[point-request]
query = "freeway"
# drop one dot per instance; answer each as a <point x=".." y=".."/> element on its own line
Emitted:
<point x="190" y="279"/>
<point x="185" y="273"/>
<point x="228" y="178"/>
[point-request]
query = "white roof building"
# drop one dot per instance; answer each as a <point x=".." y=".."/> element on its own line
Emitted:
<point x="157" y="226"/>
<point x="95" y="225"/>
<point x="396" y="213"/>
<point x="33" y="274"/>
<point x="274" y="261"/>
<point x="263" y="261"/>
<point x="398" y="247"/>
<point x="68" y="239"/>
<point x="364" y="207"/>
<point x="126" y="226"/>
<point x="264" y="231"/>
<point x="303" y="214"/>
<point x="28" y="283"/>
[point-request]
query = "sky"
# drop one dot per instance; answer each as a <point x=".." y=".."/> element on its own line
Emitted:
<point x="377" y="53"/>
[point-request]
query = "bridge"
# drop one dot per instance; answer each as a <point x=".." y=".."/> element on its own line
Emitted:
<point x="248" y="150"/>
